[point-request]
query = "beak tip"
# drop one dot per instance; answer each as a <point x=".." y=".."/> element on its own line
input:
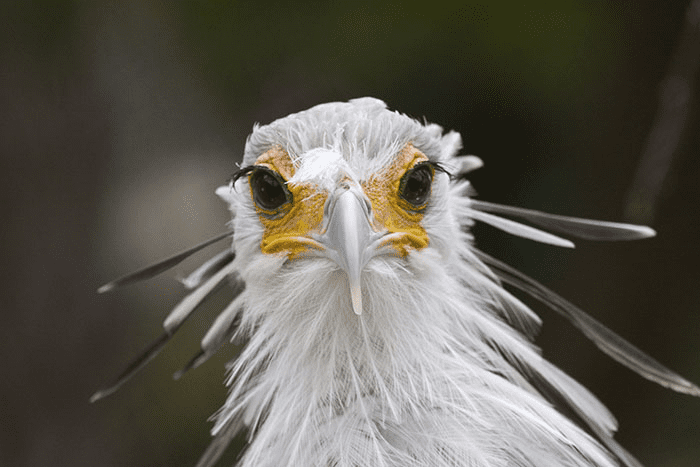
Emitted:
<point x="356" y="296"/>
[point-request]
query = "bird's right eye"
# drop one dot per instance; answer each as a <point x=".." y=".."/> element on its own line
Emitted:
<point x="268" y="188"/>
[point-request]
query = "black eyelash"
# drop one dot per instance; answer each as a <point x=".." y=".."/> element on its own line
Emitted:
<point x="239" y="173"/>
<point x="438" y="167"/>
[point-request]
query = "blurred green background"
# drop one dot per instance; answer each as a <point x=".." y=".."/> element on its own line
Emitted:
<point x="119" y="119"/>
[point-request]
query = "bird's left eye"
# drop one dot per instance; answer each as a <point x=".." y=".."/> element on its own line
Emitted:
<point x="415" y="184"/>
<point x="268" y="189"/>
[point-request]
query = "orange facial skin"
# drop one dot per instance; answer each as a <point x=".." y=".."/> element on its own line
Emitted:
<point x="288" y="228"/>
<point x="393" y="212"/>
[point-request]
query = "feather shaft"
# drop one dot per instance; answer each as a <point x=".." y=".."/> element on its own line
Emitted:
<point x="520" y="230"/>
<point x="208" y="269"/>
<point x="587" y="229"/>
<point x="606" y="340"/>
<point x="137" y="364"/>
<point x="191" y="301"/>
<point x="159" y="267"/>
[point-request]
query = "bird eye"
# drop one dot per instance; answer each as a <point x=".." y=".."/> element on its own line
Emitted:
<point x="415" y="184"/>
<point x="268" y="189"/>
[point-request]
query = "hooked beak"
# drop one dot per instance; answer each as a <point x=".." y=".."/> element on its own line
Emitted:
<point x="348" y="237"/>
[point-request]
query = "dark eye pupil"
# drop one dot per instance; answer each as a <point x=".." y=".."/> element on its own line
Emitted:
<point x="416" y="186"/>
<point x="268" y="192"/>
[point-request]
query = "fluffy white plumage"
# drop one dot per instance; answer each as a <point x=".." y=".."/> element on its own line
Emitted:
<point x="436" y="367"/>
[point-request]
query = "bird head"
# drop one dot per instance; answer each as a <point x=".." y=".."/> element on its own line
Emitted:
<point x="342" y="183"/>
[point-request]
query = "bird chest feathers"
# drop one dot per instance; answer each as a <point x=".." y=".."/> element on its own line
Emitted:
<point x="376" y="333"/>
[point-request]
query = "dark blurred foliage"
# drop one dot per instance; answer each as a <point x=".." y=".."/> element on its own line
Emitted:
<point x="119" y="119"/>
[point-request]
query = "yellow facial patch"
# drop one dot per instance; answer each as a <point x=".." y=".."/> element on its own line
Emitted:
<point x="393" y="212"/>
<point x="287" y="228"/>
